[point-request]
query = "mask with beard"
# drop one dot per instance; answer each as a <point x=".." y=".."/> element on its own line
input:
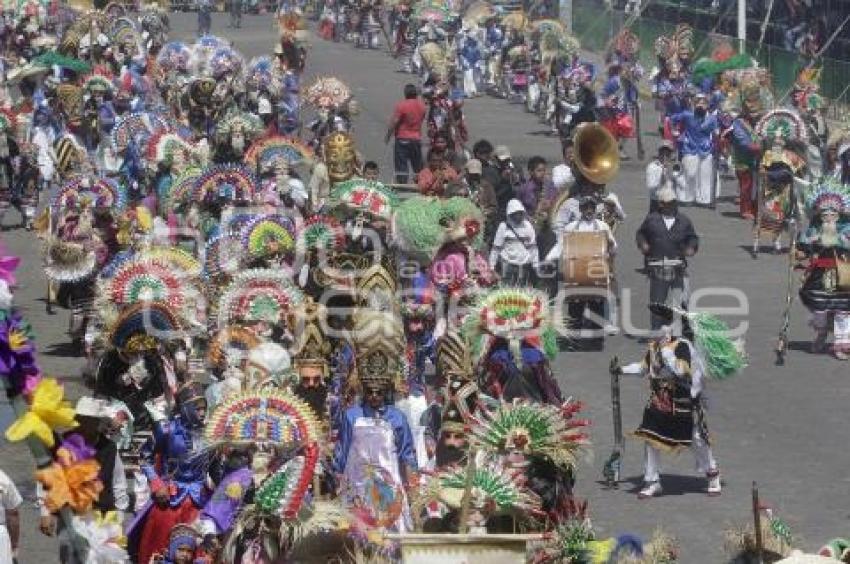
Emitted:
<point x="668" y="209"/>
<point x="316" y="397"/>
<point x="448" y="455"/>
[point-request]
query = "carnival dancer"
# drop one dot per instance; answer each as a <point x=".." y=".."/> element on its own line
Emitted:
<point x="674" y="417"/>
<point x="696" y="142"/>
<point x="614" y="108"/>
<point x="826" y="242"/>
<point x="746" y="149"/>
<point x="375" y="459"/>
<point x="176" y="480"/>
<point x="470" y="60"/>
<point x="667" y="238"/>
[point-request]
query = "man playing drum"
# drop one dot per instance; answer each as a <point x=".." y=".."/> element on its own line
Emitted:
<point x="580" y="271"/>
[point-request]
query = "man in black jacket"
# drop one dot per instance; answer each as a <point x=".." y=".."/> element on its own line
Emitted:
<point x="666" y="238"/>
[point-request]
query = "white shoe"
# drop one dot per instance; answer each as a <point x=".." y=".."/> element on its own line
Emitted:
<point x="714" y="486"/>
<point x="651" y="489"/>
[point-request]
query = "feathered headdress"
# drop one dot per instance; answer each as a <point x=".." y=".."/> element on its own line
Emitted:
<point x="533" y="429"/>
<point x="263" y="416"/>
<point x="258" y="295"/>
<point x="268" y="236"/>
<point x="722" y="356"/>
<point x="492" y="485"/>
<point x="518" y="315"/>
<point x="828" y="194"/>
<point x="228" y="182"/>
<point x="422" y="225"/>
<point x="365" y="196"/>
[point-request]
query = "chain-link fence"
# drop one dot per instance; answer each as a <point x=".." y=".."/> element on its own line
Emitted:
<point x="594" y="25"/>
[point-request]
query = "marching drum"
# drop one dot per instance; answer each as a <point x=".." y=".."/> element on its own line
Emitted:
<point x="584" y="259"/>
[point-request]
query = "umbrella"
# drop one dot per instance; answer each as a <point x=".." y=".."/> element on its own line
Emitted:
<point x="515" y="20"/>
<point x="327" y="92"/>
<point x="52" y="58"/>
<point x="547" y="25"/>
<point x="478" y="12"/>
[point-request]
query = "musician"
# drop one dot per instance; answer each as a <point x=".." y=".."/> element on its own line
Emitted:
<point x="666" y="238"/>
<point x="663" y="172"/>
<point x="588" y="221"/>
<point x="674" y="417"/>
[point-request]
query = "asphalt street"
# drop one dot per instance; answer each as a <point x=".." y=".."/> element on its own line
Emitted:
<point x="784" y="427"/>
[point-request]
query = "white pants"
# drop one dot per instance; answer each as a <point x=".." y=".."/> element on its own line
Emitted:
<point x="702" y="455"/>
<point x="697" y="185"/>
<point x="469" y="86"/>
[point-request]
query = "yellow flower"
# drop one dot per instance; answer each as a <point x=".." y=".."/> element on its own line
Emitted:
<point x="17" y="340"/>
<point x="600" y="551"/>
<point x="48" y="411"/>
<point x="233" y="490"/>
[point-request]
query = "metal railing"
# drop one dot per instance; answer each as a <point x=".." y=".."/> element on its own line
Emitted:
<point x="594" y="26"/>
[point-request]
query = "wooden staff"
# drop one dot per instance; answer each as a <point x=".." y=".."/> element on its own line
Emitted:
<point x="757" y="524"/>
<point x="757" y="184"/>
<point x="467" y="492"/>
<point x="782" y="340"/>
<point x="639" y="139"/>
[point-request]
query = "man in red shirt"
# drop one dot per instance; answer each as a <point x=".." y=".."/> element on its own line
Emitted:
<point x="436" y="176"/>
<point x="406" y="126"/>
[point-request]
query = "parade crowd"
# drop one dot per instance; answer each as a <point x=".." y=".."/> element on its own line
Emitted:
<point x="289" y="360"/>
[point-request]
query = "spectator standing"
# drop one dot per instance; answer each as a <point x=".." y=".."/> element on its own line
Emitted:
<point x="406" y="127"/>
<point x="482" y="193"/>
<point x="433" y="179"/>
<point x="204" y="17"/>
<point x="515" y="247"/>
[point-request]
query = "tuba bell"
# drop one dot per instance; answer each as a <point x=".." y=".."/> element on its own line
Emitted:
<point x="597" y="156"/>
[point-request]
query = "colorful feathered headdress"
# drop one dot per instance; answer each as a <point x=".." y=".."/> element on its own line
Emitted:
<point x="828" y="194"/>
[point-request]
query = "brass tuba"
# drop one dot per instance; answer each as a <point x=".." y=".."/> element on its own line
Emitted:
<point x="597" y="156"/>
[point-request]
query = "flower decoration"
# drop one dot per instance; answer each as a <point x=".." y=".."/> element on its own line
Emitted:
<point x="70" y="481"/>
<point x="48" y="411"/>
<point x="104" y="535"/>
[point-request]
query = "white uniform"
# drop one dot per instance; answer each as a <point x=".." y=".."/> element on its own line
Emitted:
<point x="10" y="499"/>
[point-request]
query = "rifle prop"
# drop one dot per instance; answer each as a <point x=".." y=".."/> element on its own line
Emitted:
<point x="611" y="470"/>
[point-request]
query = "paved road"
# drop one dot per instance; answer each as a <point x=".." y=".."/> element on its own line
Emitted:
<point x="783" y="427"/>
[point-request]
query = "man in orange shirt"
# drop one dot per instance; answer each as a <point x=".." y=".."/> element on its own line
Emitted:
<point x="433" y="180"/>
<point x="406" y="126"/>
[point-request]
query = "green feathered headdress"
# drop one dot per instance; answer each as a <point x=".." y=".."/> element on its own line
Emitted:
<point x="490" y="483"/>
<point x="421" y="225"/>
<point x="515" y="314"/>
<point x="721" y="355"/>
<point x="705" y="67"/>
<point x="534" y="429"/>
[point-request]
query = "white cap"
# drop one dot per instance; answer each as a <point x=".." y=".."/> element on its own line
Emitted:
<point x="502" y="153"/>
<point x="473" y="166"/>
<point x="666" y="194"/>
<point x="562" y="176"/>
<point x="264" y="107"/>
<point x="515" y="206"/>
